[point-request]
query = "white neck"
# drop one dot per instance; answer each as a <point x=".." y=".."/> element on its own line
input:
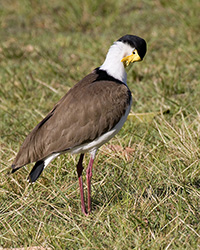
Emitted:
<point x="112" y="64"/>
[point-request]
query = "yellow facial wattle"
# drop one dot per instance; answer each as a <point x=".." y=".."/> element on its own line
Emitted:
<point x="134" y="57"/>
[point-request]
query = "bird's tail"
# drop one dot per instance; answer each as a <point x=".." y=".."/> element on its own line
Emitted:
<point x="36" y="171"/>
<point x="38" y="167"/>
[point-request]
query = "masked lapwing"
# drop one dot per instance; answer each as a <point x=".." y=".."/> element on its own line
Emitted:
<point x="89" y="115"/>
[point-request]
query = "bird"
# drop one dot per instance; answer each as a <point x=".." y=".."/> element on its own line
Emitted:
<point x="87" y="116"/>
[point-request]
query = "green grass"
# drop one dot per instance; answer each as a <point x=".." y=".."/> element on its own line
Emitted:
<point x="146" y="199"/>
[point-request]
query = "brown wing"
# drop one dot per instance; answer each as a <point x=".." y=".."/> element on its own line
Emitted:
<point x="88" y="110"/>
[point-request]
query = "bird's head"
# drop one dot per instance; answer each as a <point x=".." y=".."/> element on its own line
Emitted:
<point x="126" y="50"/>
<point x="134" y="50"/>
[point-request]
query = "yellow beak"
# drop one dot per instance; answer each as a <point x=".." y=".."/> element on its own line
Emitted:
<point x="131" y="58"/>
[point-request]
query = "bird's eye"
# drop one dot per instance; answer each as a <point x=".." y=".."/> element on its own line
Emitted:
<point x="134" y="52"/>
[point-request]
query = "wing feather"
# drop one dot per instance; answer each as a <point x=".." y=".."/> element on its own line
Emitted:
<point x="88" y="110"/>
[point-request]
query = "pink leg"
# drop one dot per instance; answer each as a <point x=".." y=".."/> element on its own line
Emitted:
<point x="80" y="180"/>
<point x="88" y="177"/>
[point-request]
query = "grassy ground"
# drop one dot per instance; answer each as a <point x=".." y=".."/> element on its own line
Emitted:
<point x="145" y="194"/>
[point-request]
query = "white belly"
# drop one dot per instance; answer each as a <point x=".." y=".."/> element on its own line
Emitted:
<point x="94" y="145"/>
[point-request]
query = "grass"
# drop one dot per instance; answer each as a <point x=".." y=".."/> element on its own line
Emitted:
<point x="145" y="194"/>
